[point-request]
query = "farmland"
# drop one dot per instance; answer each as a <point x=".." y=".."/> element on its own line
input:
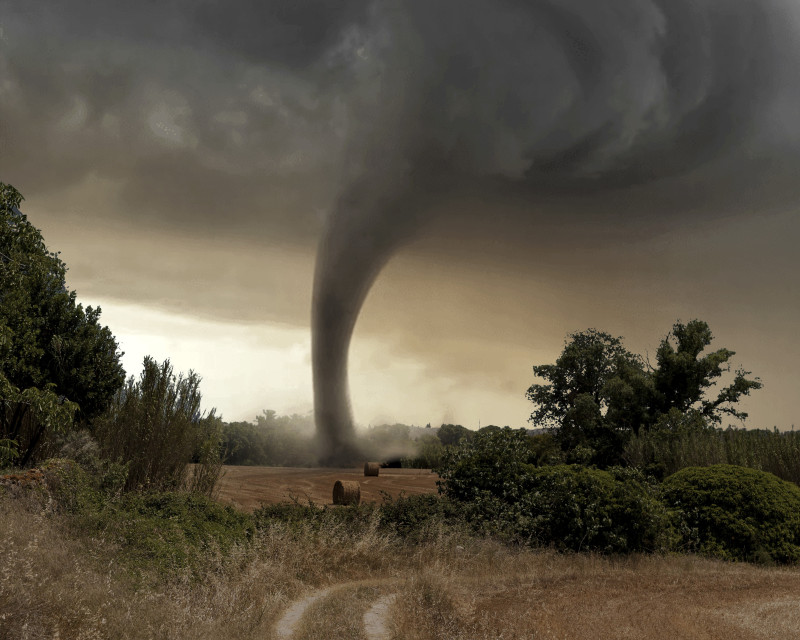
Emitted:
<point x="249" y="487"/>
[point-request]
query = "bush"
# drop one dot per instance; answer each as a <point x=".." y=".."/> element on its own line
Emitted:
<point x="162" y="531"/>
<point x="175" y="530"/>
<point x="414" y="518"/>
<point x="570" y="507"/>
<point x="155" y="426"/>
<point x="30" y="422"/>
<point x="736" y="513"/>
<point x="491" y="464"/>
<point x="576" y="508"/>
<point x="308" y="519"/>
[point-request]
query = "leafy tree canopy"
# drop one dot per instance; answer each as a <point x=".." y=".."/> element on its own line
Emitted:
<point x="683" y="374"/>
<point x="598" y="394"/>
<point x="450" y="434"/>
<point x="47" y="339"/>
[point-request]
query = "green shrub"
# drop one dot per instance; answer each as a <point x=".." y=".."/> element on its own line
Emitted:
<point x="414" y="518"/>
<point x="176" y="529"/>
<point x="309" y="519"/>
<point x="161" y="531"/>
<point x="491" y="464"/>
<point x="735" y="513"/>
<point x="571" y="507"/>
<point x="156" y="427"/>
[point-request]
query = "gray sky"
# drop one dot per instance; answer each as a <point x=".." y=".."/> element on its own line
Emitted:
<point x="617" y="165"/>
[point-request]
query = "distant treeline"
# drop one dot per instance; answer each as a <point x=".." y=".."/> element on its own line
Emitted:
<point x="288" y="441"/>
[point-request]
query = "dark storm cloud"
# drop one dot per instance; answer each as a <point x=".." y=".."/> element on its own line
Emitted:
<point x="195" y="108"/>
<point x="286" y="32"/>
<point x="505" y="119"/>
<point x="593" y="102"/>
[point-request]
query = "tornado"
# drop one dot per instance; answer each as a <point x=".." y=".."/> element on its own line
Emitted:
<point x="527" y="99"/>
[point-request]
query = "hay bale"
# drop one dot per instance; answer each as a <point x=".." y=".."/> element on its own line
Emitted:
<point x="371" y="468"/>
<point x="346" y="492"/>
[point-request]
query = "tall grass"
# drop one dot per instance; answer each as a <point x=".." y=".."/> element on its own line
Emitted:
<point x="667" y="451"/>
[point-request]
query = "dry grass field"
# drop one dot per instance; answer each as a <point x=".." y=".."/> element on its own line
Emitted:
<point x="301" y="584"/>
<point x="249" y="487"/>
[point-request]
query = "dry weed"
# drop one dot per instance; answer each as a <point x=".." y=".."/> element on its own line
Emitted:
<point x="56" y="585"/>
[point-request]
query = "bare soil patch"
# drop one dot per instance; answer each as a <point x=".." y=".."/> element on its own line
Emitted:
<point x="249" y="487"/>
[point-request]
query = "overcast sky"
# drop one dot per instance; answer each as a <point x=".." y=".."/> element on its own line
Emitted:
<point x="620" y="165"/>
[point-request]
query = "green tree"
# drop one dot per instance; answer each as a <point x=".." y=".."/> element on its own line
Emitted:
<point x="47" y="339"/>
<point x="451" y="434"/>
<point x="598" y="394"/>
<point x="593" y="377"/>
<point x="683" y="374"/>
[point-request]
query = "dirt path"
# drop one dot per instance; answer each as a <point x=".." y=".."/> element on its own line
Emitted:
<point x="286" y="626"/>
<point x="374" y="596"/>
<point x="375" y="619"/>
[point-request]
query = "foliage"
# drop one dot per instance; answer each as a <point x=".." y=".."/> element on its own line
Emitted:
<point x="30" y="420"/>
<point x="682" y="376"/>
<point x="415" y="518"/>
<point x="167" y="531"/>
<point x="736" y="513"/>
<point x="428" y="455"/>
<point x="46" y="337"/>
<point x="450" y="434"/>
<point x="283" y="441"/>
<point x="412" y="519"/>
<point x="687" y="440"/>
<point x="590" y="359"/>
<point x="566" y="506"/>
<point x="307" y="520"/>
<point x="492" y="463"/>
<point x="156" y="427"/>
<point x="208" y="457"/>
<point x="598" y="395"/>
<point x="578" y="508"/>
<point x="9" y="451"/>
<point x="588" y="388"/>
<point x="545" y="449"/>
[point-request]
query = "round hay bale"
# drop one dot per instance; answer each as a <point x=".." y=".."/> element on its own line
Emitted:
<point x="371" y="468"/>
<point x="346" y="492"/>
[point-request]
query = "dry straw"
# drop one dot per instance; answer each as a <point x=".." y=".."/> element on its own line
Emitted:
<point x="371" y="468"/>
<point x="346" y="492"/>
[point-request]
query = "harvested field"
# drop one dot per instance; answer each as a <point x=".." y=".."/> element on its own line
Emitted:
<point x="249" y="487"/>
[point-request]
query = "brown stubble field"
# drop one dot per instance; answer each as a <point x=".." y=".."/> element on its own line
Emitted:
<point x="304" y="585"/>
<point x="249" y="487"/>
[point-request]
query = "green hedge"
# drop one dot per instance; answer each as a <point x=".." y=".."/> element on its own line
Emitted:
<point x="735" y="513"/>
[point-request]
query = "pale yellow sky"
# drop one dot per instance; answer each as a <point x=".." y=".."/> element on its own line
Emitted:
<point x="448" y="333"/>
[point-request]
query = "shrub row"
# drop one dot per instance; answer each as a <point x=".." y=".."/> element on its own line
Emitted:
<point x="721" y="511"/>
<point x="725" y="511"/>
